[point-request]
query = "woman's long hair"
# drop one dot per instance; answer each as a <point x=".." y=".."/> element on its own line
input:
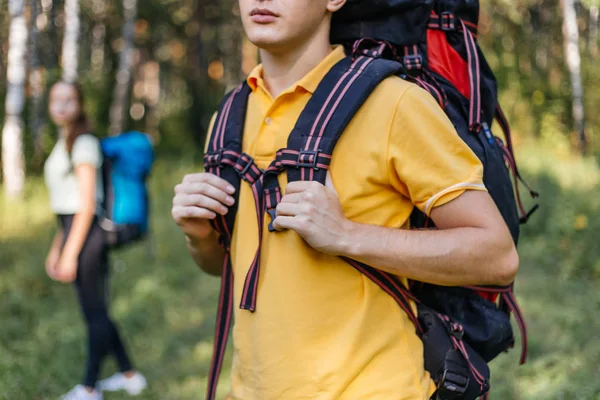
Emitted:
<point x="81" y="124"/>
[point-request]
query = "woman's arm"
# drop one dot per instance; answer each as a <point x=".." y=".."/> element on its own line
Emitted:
<point x="67" y="264"/>
<point x="54" y="252"/>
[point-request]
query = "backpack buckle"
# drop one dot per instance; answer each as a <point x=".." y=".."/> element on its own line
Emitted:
<point x="245" y="162"/>
<point x="447" y="21"/>
<point x="414" y="61"/>
<point x="305" y="160"/>
<point x="273" y="214"/>
<point x="451" y="386"/>
<point x="214" y="159"/>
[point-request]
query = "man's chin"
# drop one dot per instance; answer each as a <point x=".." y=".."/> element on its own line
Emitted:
<point x="269" y="43"/>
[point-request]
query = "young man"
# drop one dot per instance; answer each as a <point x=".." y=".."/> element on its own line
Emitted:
<point x="321" y="329"/>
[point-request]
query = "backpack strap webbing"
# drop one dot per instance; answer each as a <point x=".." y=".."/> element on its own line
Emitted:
<point x="310" y="145"/>
<point x="222" y="159"/>
<point x="343" y="90"/>
<point x="509" y="156"/>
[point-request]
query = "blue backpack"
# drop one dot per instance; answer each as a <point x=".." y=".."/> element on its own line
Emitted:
<point x="128" y="160"/>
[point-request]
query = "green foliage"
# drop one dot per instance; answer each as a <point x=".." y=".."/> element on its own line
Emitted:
<point x="166" y="307"/>
<point x="523" y="43"/>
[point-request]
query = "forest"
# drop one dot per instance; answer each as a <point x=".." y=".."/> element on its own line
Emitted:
<point x="161" y="67"/>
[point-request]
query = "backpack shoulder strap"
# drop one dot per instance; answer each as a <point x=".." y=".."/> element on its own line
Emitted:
<point x="341" y="93"/>
<point x="224" y="156"/>
<point x="223" y="159"/>
<point x="337" y="99"/>
<point x="311" y="143"/>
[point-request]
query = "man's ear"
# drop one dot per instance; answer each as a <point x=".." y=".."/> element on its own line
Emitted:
<point x="334" y="5"/>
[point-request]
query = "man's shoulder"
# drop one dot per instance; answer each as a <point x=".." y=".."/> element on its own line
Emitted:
<point x="394" y="92"/>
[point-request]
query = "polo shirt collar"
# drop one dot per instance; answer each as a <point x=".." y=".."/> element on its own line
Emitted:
<point x="309" y="82"/>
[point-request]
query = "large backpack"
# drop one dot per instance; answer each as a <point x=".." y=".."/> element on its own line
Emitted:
<point x="433" y="44"/>
<point x="128" y="160"/>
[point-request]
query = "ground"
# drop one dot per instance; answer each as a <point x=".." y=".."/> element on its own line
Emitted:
<point x="165" y="306"/>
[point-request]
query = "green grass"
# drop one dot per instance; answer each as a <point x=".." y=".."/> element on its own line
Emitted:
<point x="165" y="306"/>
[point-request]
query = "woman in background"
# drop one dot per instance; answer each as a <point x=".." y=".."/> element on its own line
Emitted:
<point x="78" y="253"/>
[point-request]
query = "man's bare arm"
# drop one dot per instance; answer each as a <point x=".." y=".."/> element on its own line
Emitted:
<point x="207" y="253"/>
<point x="472" y="245"/>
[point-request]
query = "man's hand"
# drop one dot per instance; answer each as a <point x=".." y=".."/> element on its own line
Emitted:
<point x="315" y="213"/>
<point x="198" y="199"/>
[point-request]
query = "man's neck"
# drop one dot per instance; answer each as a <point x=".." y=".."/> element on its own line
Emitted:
<point x="281" y="70"/>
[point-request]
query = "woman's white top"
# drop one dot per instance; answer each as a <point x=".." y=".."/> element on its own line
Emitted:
<point x="59" y="173"/>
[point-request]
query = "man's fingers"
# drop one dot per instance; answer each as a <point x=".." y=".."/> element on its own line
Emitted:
<point x="282" y="223"/>
<point x="291" y="198"/>
<point x="180" y="214"/>
<point x="288" y="209"/>
<point x="211" y="179"/>
<point x="299" y="186"/>
<point x="206" y="189"/>
<point x="199" y="200"/>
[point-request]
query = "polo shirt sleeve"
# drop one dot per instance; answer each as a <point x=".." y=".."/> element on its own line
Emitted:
<point x="427" y="161"/>
<point x="86" y="150"/>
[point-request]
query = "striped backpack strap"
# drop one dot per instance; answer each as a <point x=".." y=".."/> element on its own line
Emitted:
<point x="338" y="97"/>
<point x="224" y="158"/>
<point x="311" y="143"/>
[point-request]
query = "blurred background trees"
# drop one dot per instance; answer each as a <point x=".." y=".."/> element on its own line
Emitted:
<point x="159" y="66"/>
<point x="162" y="65"/>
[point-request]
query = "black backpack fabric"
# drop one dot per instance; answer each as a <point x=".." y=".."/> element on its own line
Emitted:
<point x="461" y="328"/>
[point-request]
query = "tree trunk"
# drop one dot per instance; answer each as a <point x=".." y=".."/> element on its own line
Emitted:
<point x="98" y="38"/>
<point x="13" y="162"/>
<point x="231" y="37"/>
<point x="49" y="8"/>
<point x="70" y="50"/>
<point x="151" y="73"/>
<point x="36" y="83"/>
<point x="593" y="38"/>
<point x="571" y="39"/>
<point x="121" y="94"/>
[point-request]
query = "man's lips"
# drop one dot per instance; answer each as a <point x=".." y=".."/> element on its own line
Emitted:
<point x="263" y="16"/>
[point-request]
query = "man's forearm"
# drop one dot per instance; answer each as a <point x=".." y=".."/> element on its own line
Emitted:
<point x="207" y="253"/>
<point x="451" y="257"/>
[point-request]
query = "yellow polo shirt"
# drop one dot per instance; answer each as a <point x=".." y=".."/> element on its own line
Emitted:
<point x="321" y="329"/>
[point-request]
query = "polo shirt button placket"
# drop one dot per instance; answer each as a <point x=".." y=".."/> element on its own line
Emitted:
<point x="268" y="121"/>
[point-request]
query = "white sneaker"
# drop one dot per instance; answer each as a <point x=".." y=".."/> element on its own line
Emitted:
<point x="133" y="385"/>
<point x="79" y="392"/>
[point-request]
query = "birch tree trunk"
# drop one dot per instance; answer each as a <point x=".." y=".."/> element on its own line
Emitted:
<point x="13" y="162"/>
<point x="36" y="83"/>
<point x="98" y="38"/>
<point x="70" y="50"/>
<point x="573" y="56"/>
<point x="593" y="38"/>
<point x="126" y="59"/>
